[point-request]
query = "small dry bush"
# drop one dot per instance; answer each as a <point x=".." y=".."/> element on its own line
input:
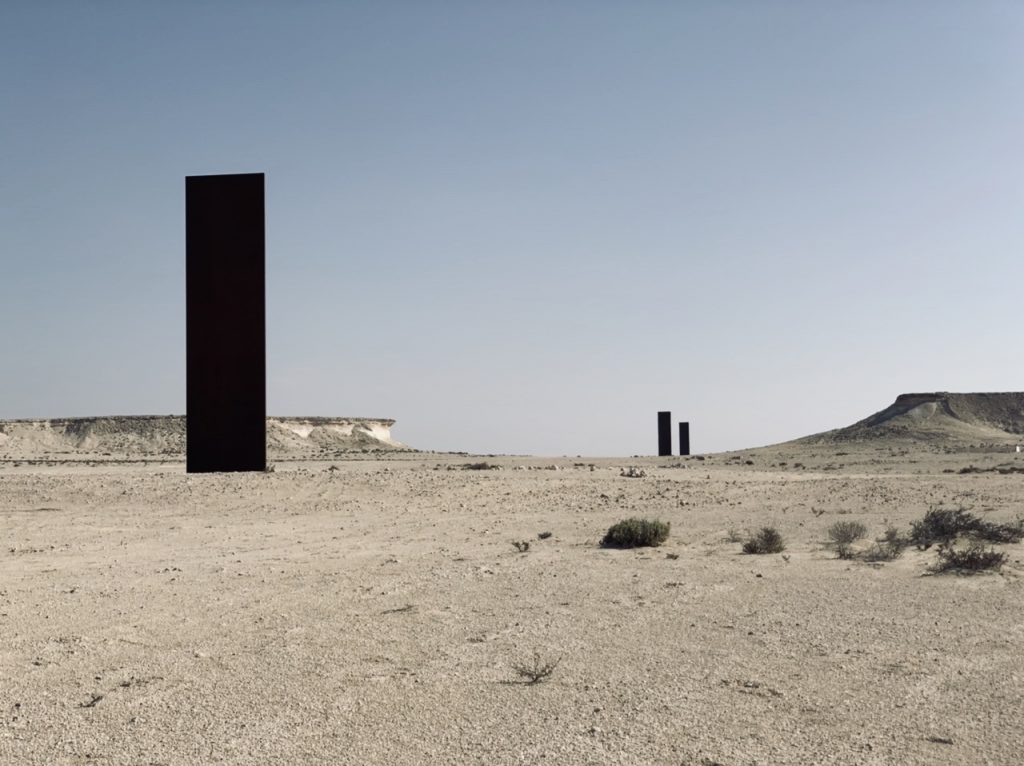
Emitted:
<point x="733" y="536"/>
<point x="942" y="526"/>
<point x="1000" y="533"/>
<point x="888" y="547"/>
<point x="843" y="534"/>
<point x="878" y="552"/>
<point x="536" y="670"/>
<point x="636" y="533"/>
<point x="975" y="558"/>
<point x="765" y="540"/>
<point x="893" y="538"/>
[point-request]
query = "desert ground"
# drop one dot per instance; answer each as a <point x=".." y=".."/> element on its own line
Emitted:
<point x="372" y="609"/>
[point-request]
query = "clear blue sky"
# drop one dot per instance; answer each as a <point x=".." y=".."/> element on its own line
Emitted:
<point x="524" y="226"/>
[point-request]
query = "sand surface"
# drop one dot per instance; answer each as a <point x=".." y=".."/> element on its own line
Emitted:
<point x="370" y="611"/>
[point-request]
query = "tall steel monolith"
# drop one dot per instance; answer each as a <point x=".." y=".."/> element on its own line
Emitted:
<point x="226" y="408"/>
<point x="684" y="438"/>
<point x="664" y="433"/>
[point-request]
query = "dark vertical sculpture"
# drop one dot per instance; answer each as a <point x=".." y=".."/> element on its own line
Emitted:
<point x="684" y="438"/>
<point x="664" y="433"/>
<point x="225" y="324"/>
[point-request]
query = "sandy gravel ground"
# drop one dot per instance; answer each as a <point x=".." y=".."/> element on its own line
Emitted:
<point x="371" y="612"/>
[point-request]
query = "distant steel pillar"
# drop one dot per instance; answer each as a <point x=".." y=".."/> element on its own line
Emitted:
<point x="664" y="433"/>
<point x="226" y="372"/>
<point x="684" y="438"/>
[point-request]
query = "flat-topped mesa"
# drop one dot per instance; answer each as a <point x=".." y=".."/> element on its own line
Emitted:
<point x="939" y="416"/>
<point x="131" y="436"/>
<point x="915" y="399"/>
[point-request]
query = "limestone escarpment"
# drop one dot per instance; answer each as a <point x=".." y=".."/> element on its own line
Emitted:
<point x="163" y="436"/>
<point x="940" y="417"/>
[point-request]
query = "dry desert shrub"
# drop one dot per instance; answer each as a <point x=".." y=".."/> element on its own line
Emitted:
<point x="537" y="670"/>
<point x="1001" y="533"/>
<point x="975" y="558"/>
<point x="636" y="533"/>
<point x="765" y="540"/>
<point x="733" y="536"/>
<point x="881" y="552"/>
<point x="942" y="526"/>
<point x="888" y="547"/>
<point x="843" y="534"/>
<point x="521" y="545"/>
<point x="893" y="538"/>
<point x="1003" y="469"/>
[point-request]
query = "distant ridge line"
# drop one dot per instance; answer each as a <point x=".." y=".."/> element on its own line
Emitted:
<point x="938" y="417"/>
<point x="311" y="418"/>
<point x="165" y="435"/>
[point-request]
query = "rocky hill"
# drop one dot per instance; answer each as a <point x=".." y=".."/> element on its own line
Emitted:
<point x="993" y="418"/>
<point x="163" y="436"/>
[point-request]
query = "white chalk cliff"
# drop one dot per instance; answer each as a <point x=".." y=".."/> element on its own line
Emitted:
<point x="164" y="436"/>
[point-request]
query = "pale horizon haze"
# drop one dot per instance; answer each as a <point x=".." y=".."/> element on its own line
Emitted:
<point x="524" y="227"/>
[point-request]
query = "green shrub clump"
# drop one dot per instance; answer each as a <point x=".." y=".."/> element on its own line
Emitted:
<point x="766" y="540"/>
<point x="636" y="533"/>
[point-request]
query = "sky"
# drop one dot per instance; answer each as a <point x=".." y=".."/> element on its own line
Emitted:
<point x="524" y="227"/>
